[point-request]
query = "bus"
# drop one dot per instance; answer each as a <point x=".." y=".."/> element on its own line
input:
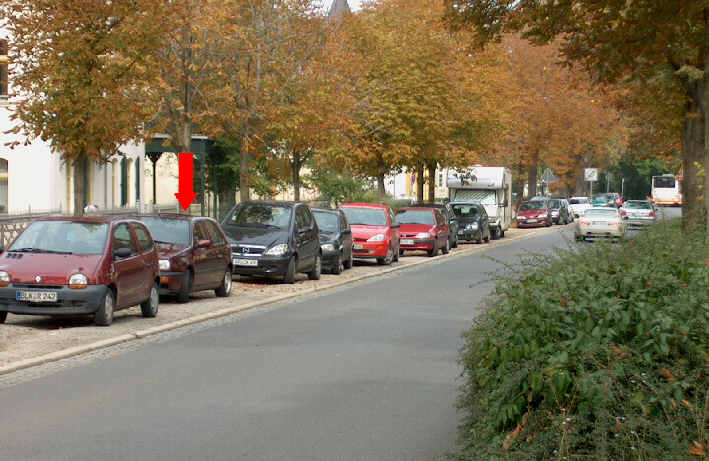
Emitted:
<point x="666" y="190"/>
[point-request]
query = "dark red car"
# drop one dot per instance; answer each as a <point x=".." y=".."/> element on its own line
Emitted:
<point x="534" y="213"/>
<point x="194" y="254"/>
<point x="375" y="231"/>
<point x="69" y="266"/>
<point x="423" y="229"/>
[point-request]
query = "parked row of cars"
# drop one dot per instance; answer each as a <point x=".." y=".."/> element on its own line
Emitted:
<point x="544" y="211"/>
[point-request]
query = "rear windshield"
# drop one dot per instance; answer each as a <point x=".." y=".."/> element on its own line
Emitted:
<point x="664" y="182"/>
<point x="260" y="215"/>
<point x="597" y="212"/>
<point x="466" y="211"/>
<point x="415" y="217"/>
<point x="578" y="201"/>
<point x="639" y="205"/>
<point x="365" y="216"/>
<point x="535" y="205"/>
<point x="66" y="237"/>
<point x="328" y="222"/>
<point x="602" y="198"/>
<point x="168" y="230"/>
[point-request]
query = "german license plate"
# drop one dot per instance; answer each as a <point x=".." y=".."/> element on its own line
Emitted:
<point x="358" y="246"/>
<point x="599" y="223"/>
<point x="531" y="220"/>
<point x="37" y="296"/>
<point x="246" y="262"/>
<point x="407" y="242"/>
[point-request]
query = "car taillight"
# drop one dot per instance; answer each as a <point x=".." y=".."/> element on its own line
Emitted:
<point x="652" y="214"/>
<point x="584" y="223"/>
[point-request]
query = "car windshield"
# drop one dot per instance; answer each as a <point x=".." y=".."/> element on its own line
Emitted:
<point x="415" y="217"/>
<point x="466" y="211"/>
<point x="597" y="212"/>
<point x="663" y="182"/>
<point x="535" y="205"/>
<point x="328" y="222"/>
<point x="168" y="230"/>
<point x="578" y="201"/>
<point x="602" y="198"/>
<point x="556" y="204"/>
<point x="639" y="205"/>
<point x="260" y="215"/>
<point x="365" y="216"/>
<point x="66" y="237"/>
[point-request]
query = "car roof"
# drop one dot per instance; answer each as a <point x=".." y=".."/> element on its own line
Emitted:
<point x="325" y="210"/>
<point x="88" y="219"/>
<point x="430" y="205"/>
<point x="364" y="205"/>
<point x="184" y="217"/>
<point x="417" y="207"/>
<point x="271" y="203"/>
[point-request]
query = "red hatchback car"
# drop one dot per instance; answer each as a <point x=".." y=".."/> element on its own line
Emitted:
<point x="69" y="266"/>
<point x="375" y="231"/>
<point x="534" y="213"/>
<point x="423" y="229"/>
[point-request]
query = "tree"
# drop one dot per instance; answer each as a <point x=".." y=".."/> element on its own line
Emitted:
<point x="641" y="42"/>
<point x="82" y="71"/>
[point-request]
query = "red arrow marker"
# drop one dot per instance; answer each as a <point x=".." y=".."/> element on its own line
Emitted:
<point x="186" y="193"/>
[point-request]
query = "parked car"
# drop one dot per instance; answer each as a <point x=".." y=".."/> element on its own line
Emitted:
<point x="600" y="222"/>
<point x="534" y="213"/>
<point x="335" y="240"/>
<point x="375" y="231"/>
<point x="273" y="239"/>
<point x="423" y="229"/>
<point x="450" y="217"/>
<point x="638" y="213"/>
<point x="69" y="266"/>
<point x="559" y="212"/>
<point x="579" y="205"/>
<point x="193" y="252"/>
<point x="473" y="221"/>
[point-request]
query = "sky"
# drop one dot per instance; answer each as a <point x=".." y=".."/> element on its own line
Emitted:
<point x="354" y="4"/>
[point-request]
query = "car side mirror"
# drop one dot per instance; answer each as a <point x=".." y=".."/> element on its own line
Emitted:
<point x="122" y="253"/>
<point x="204" y="243"/>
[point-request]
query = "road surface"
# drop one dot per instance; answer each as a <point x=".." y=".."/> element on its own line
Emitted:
<point x="364" y="373"/>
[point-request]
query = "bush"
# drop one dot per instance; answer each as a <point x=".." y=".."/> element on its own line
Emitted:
<point x="601" y="353"/>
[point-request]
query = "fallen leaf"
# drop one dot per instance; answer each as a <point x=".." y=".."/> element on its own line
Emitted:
<point x="511" y="436"/>
<point x="697" y="449"/>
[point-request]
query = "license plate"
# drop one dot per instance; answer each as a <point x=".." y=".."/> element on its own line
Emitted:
<point x="358" y="246"/>
<point x="531" y="220"/>
<point x="407" y="242"/>
<point x="599" y="223"/>
<point x="37" y="296"/>
<point x="246" y="262"/>
<point x="461" y="233"/>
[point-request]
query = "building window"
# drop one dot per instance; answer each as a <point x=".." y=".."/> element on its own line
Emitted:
<point x="124" y="182"/>
<point x="3" y="69"/>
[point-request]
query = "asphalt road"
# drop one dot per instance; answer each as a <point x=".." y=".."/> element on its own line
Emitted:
<point x="365" y="373"/>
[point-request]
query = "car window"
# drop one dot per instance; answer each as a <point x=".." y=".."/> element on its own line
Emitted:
<point x="327" y="220"/>
<point x="300" y="219"/>
<point x="168" y="230"/>
<point x="638" y="205"/>
<point x="122" y="238"/>
<point x="600" y="212"/>
<point x="415" y="216"/>
<point x="533" y="205"/>
<point x="466" y="211"/>
<point x="366" y="216"/>
<point x="200" y="233"/>
<point x="146" y="243"/>
<point x="215" y="233"/>
<point x="260" y="215"/>
<point x="308" y="217"/>
<point x="63" y="236"/>
<point x="440" y="220"/>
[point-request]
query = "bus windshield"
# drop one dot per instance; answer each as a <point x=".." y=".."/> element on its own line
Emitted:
<point x="663" y="182"/>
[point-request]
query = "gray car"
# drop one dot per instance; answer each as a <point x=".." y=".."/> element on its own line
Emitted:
<point x="638" y="213"/>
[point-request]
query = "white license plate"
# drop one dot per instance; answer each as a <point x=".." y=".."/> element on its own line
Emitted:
<point x="531" y="220"/>
<point x="407" y="242"/>
<point x="246" y="262"/>
<point x="358" y="246"/>
<point x="599" y="223"/>
<point x="37" y="296"/>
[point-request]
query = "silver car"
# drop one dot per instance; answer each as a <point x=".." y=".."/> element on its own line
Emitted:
<point x="600" y="222"/>
<point x="638" y="213"/>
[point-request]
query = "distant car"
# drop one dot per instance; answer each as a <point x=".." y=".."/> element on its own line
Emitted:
<point x="559" y="212"/>
<point x="447" y="211"/>
<point x="274" y="239"/>
<point x="638" y="213"/>
<point x="473" y="221"/>
<point x="579" y="205"/>
<point x="608" y="200"/>
<point x="194" y="255"/>
<point x="600" y="222"/>
<point x="423" y="229"/>
<point x="335" y="240"/>
<point x="375" y="231"/>
<point x="534" y="213"/>
<point x="70" y="266"/>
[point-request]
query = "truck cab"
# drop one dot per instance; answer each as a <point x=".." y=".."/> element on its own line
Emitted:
<point x="489" y="186"/>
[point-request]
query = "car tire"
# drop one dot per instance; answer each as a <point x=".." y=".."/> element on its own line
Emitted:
<point x="396" y="255"/>
<point x="480" y="238"/>
<point x="186" y="288"/>
<point x="149" y="307"/>
<point x="289" y="276"/>
<point x="489" y="235"/>
<point x="495" y="235"/>
<point x="339" y="265"/>
<point x="317" y="268"/>
<point x="447" y="248"/>
<point x="455" y="242"/>
<point x="3" y="317"/>
<point x="549" y="224"/>
<point x="103" y="317"/>
<point x="387" y="260"/>
<point x="224" y="288"/>
<point x="433" y="251"/>
<point x="348" y="262"/>
<point x="502" y="234"/>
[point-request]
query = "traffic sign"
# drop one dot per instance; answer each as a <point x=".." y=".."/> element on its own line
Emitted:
<point x="590" y="174"/>
<point x="548" y="177"/>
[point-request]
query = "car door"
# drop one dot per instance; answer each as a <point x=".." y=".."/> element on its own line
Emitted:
<point x="200" y="257"/>
<point x="129" y="271"/>
<point x="307" y="242"/>
<point x="441" y="229"/>
<point x="346" y="233"/>
<point x="148" y="258"/>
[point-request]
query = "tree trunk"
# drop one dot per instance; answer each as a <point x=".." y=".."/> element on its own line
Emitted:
<point x="381" y="188"/>
<point x="692" y="154"/>
<point x="532" y="179"/>
<point x="244" y="193"/>
<point x="705" y="111"/>
<point x="295" y="170"/>
<point x="227" y="200"/>
<point x="432" y="182"/>
<point x="80" y="172"/>
<point x="419" y="183"/>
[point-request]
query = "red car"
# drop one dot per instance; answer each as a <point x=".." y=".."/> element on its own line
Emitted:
<point x="423" y="229"/>
<point x="69" y="266"/>
<point x="534" y="213"/>
<point x="375" y="232"/>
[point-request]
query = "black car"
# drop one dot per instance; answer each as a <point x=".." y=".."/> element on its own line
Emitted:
<point x="335" y="240"/>
<point x="451" y="218"/>
<point x="274" y="239"/>
<point x="473" y="222"/>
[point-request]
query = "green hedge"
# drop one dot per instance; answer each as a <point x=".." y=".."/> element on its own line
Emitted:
<point x="598" y="354"/>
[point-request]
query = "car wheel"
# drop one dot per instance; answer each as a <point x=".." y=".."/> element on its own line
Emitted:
<point x="149" y="307"/>
<point x="397" y="253"/>
<point x="289" y="276"/>
<point x="480" y="238"/>
<point x="502" y="234"/>
<point x="186" y="288"/>
<point x="224" y="288"/>
<point x="104" y="315"/>
<point x="455" y="242"/>
<point x="447" y="248"/>
<point x="317" y="269"/>
<point x="387" y="260"/>
<point x="348" y="262"/>
<point x="339" y="265"/>
<point x="487" y="239"/>
<point x="3" y="316"/>
<point x="433" y="251"/>
<point x="548" y="224"/>
<point x="495" y="234"/>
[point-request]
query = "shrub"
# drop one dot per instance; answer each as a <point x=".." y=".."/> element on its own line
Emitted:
<point x="600" y="353"/>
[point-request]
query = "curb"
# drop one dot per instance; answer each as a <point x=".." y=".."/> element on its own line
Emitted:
<point x="140" y="334"/>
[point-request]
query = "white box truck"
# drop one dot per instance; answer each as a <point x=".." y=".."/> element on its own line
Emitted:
<point x="489" y="186"/>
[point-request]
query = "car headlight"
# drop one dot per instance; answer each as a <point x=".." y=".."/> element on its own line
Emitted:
<point x="164" y="264"/>
<point x="544" y="215"/>
<point x="328" y="248"/>
<point x="472" y="226"/>
<point x="277" y="250"/>
<point x="4" y="279"/>
<point x="423" y="235"/>
<point x="78" y="281"/>
<point x="377" y="238"/>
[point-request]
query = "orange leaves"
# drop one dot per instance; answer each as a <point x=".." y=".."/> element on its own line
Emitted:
<point x="699" y="448"/>
<point x="511" y="436"/>
<point x="667" y="374"/>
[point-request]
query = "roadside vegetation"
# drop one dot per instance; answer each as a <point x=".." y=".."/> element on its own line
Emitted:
<point x="601" y="353"/>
